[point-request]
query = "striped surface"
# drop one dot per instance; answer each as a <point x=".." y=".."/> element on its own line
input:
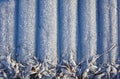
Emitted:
<point x="57" y="30"/>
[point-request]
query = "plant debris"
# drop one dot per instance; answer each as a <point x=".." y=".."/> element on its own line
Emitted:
<point x="10" y="69"/>
<point x="67" y="69"/>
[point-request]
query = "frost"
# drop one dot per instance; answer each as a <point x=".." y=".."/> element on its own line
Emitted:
<point x="34" y="69"/>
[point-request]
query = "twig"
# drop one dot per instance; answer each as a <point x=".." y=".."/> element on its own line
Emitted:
<point x="106" y="52"/>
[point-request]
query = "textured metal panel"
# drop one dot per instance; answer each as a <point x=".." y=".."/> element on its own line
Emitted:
<point x="59" y="31"/>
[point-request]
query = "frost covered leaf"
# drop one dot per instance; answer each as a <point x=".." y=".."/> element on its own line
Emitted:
<point x="67" y="69"/>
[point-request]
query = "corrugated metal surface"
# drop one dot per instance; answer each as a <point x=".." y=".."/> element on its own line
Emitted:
<point x="50" y="28"/>
<point x="57" y="30"/>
